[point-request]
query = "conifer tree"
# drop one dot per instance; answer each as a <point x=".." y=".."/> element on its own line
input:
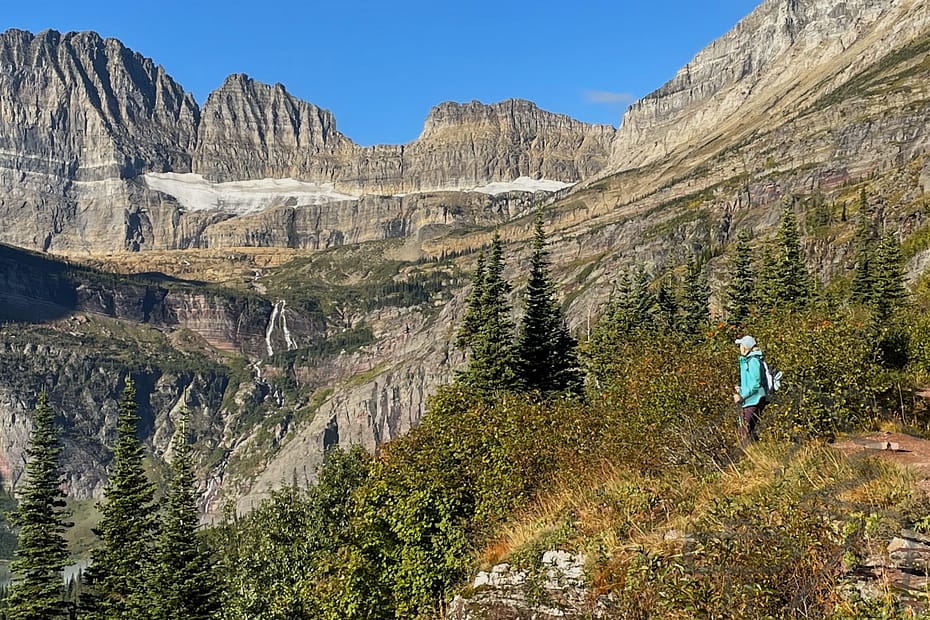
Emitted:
<point x="766" y="286"/>
<point x="492" y="366"/>
<point x="546" y="354"/>
<point x="631" y="307"/>
<point x="864" y="279"/>
<point x="793" y="283"/>
<point x="185" y="582"/>
<point x="695" y="300"/>
<point x="740" y="289"/>
<point x="116" y="582"/>
<point x="666" y="305"/>
<point x="37" y="591"/>
<point x="889" y="292"/>
<point x="471" y="320"/>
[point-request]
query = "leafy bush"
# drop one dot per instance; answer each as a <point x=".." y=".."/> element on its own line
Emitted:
<point x="274" y="557"/>
<point x="663" y="400"/>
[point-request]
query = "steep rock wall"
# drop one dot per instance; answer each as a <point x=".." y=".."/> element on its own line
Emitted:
<point x="783" y="53"/>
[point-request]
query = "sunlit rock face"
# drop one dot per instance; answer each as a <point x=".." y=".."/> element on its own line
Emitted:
<point x="87" y="126"/>
<point x="778" y="59"/>
<point x="80" y="116"/>
<point x="251" y="130"/>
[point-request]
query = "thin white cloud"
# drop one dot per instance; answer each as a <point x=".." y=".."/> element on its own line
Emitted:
<point x="603" y="96"/>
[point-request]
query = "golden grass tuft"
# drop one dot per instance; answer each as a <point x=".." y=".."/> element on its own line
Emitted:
<point x="612" y="513"/>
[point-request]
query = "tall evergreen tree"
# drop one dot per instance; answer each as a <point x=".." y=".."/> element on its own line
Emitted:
<point x="631" y="307"/>
<point x="695" y="299"/>
<point x="794" y="285"/>
<point x="548" y="362"/>
<point x="492" y="366"/>
<point x="889" y="292"/>
<point x="37" y="591"/>
<point x="766" y="285"/>
<point x="666" y="305"/>
<point x="185" y="581"/>
<point x="471" y="320"/>
<point x="116" y="583"/>
<point x="741" y="287"/>
<point x="864" y="277"/>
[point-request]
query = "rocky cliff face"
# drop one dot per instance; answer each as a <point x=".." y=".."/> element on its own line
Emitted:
<point x="465" y="145"/>
<point x="33" y="290"/>
<point x="84" y="383"/>
<point x="78" y="114"/>
<point x="778" y="59"/>
<point x="252" y="131"/>
<point x="83" y="120"/>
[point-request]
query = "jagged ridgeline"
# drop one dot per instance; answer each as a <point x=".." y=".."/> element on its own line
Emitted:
<point x="295" y="291"/>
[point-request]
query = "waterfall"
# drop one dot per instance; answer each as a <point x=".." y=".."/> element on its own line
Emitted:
<point x="270" y="329"/>
<point x="278" y="311"/>
<point x="291" y="344"/>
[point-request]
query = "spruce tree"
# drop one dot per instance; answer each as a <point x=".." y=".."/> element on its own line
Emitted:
<point x="492" y="366"/>
<point x="741" y="287"/>
<point x="695" y="300"/>
<point x="185" y="581"/>
<point x="794" y="286"/>
<point x="666" y="305"/>
<point x="631" y="308"/>
<point x="767" y="290"/>
<point x="889" y="290"/>
<point x="864" y="278"/>
<point x="37" y="591"/>
<point x="471" y="320"/>
<point x="546" y="353"/>
<point x="117" y="581"/>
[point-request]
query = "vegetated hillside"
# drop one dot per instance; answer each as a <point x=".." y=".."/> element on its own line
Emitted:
<point x="636" y="502"/>
<point x="389" y="307"/>
<point x="331" y="344"/>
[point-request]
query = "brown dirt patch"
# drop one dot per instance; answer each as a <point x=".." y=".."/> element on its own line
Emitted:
<point x="907" y="450"/>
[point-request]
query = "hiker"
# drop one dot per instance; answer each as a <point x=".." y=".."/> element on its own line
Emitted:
<point x="750" y="393"/>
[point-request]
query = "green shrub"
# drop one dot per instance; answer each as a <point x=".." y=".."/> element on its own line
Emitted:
<point x="834" y="378"/>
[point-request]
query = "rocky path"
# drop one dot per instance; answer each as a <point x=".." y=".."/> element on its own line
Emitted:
<point x="908" y="450"/>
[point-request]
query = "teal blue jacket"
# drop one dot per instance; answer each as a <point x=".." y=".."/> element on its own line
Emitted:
<point x="751" y="389"/>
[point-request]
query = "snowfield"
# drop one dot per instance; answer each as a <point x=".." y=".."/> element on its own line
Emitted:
<point x="194" y="193"/>
<point x="522" y="184"/>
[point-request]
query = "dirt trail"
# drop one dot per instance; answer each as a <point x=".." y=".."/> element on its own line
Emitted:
<point x="896" y="447"/>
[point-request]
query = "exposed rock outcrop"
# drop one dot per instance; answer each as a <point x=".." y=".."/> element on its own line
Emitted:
<point x="556" y="589"/>
<point x="776" y="61"/>
<point x="900" y="572"/>
<point x="84" y="119"/>
<point x="33" y="289"/>
<point x="79" y="115"/>
<point x="251" y="130"/>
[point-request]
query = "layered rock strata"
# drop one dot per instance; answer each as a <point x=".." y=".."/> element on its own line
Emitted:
<point x="83" y="120"/>
<point x="778" y="60"/>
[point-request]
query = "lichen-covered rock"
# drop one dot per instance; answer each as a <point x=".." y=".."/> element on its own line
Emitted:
<point x="554" y="589"/>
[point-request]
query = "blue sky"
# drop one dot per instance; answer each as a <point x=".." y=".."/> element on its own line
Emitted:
<point x="379" y="66"/>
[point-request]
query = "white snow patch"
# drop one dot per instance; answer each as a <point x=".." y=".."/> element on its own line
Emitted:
<point x="522" y="184"/>
<point x="195" y="193"/>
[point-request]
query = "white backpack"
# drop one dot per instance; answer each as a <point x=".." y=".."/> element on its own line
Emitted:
<point x="771" y="378"/>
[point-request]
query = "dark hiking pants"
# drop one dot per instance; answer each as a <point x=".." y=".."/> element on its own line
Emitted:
<point x="748" y="420"/>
